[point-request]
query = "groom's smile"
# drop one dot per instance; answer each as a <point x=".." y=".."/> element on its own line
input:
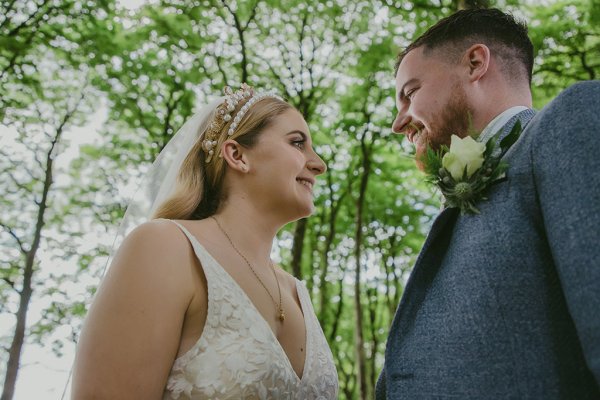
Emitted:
<point x="432" y="104"/>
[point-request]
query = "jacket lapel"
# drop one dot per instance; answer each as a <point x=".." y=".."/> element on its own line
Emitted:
<point x="424" y="270"/>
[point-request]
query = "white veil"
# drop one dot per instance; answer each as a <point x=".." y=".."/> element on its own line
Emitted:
<point x="159" y="182"/>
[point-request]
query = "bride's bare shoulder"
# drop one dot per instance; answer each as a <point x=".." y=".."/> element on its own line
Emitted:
<point x="160" y="232"/>
<point x="155" y="243"/>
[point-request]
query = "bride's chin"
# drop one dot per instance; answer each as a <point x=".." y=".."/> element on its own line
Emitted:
<point x="305" y="212"/>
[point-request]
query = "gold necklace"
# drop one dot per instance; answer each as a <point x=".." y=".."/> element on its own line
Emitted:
<point x="281" y="314"/>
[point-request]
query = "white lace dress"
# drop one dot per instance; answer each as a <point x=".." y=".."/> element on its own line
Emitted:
<point x="238" y="355"/>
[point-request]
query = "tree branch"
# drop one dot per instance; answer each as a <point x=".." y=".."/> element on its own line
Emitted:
<point x="16" y="182"/>
<point x="6" y="8"/>
<point x="277" y="78"/>
<point x="10" y="283"/>
<point x="35" y="16"/>
<point x="590" y="71"/>
<point x="222" y="71"/>
<point x="252" y="14"/>
<point x="240" y="30"/>
<point x="17" y="239"/>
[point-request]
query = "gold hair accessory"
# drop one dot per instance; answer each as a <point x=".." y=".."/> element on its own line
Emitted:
<point x="225" y="113"/>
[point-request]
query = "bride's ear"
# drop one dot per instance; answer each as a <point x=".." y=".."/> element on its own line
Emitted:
<point x="234" y="155"/>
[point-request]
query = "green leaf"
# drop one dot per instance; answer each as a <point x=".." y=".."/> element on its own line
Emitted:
<point x="512" y="137"/>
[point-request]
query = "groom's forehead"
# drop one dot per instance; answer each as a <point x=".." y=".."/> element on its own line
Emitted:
<point x="419" y="63"/>
<point x="411" y="63"/>
<point x="409" y="69"/>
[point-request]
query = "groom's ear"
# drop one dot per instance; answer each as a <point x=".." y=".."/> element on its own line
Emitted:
<point x="477" y="59"/>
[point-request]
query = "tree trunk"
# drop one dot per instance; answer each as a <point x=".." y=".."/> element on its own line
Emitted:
<point x="359" y="338"/>
<point x="323" y="289"/>
<point x="26" y="292"/>
<point x="338" y="312"/>
<point x="298" y="247"/>
<point x="373" y="324"/>
<point x="16" y="347"/>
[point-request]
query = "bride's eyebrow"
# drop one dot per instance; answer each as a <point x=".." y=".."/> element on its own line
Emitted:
<point x="304" y="135"/>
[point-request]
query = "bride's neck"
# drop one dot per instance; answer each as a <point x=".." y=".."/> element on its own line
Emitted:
<point x="251" y="232"/>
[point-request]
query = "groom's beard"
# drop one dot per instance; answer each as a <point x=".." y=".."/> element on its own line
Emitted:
<point x="455" y="119"/>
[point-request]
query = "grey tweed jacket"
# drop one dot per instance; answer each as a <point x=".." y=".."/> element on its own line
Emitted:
<point x="506" y="304"/>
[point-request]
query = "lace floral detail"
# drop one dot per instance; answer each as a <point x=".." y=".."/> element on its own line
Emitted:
<point x="238" y="356"/>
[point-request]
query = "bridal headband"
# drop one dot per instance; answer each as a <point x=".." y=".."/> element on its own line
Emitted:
<point x="225" y="114"/>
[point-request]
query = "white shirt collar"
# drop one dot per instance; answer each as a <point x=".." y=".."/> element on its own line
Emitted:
<point x="498" y="122"/>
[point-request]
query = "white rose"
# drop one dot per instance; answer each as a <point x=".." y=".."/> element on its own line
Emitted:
<point x="463" y="153"/>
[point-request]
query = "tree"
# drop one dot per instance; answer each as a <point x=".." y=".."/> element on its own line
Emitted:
<point x="26" y="27"/>
<point x="332" y="60"/>
<point x="29" y="167"/>
<point x="566" y="38"/>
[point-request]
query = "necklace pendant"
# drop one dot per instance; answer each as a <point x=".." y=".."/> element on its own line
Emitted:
<point x="281" y="315"/>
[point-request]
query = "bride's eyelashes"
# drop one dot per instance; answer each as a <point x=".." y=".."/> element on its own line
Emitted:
<point x="299" y="143"/>
<point x="298" y="140"/>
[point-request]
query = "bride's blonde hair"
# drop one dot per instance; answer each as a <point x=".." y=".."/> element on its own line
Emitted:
<point x="199" y="189"/>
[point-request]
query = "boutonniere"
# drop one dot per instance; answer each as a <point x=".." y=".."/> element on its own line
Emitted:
<point x="464" y="171"/>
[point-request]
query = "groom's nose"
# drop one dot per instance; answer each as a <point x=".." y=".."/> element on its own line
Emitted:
<point x="400" y="123"/>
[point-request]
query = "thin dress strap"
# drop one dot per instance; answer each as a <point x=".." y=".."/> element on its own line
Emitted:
<point x="201" y="253"/>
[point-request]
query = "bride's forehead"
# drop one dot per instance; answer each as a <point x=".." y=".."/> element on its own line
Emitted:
<point x="288" y="121"/>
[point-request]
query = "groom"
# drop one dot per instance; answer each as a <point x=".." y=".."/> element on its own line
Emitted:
<point x="504" y="303"/>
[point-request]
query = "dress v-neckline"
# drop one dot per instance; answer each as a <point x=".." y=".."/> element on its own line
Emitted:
<point x="282" y="351"/>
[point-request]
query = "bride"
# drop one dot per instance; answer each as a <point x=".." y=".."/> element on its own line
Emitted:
<point x="192" y="307"/>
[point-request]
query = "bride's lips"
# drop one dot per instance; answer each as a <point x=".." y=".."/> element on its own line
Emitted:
<point x="307" y="182"/>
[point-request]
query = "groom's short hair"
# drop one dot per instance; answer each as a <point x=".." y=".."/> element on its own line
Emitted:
<point x="505" y="36"/>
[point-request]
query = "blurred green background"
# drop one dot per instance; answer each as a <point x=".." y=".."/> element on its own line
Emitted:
<point x="91" y="91"/>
